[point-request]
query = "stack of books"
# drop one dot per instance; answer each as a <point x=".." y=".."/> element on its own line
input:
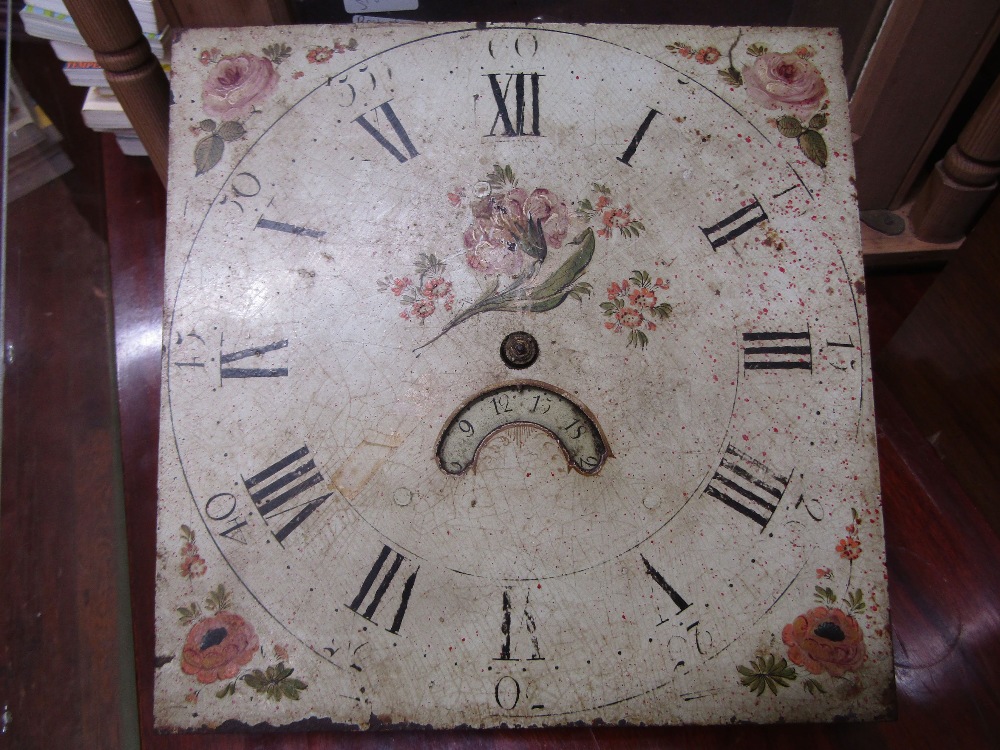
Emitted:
<point x="33" y="150"/>
<point x="50" y="20"/>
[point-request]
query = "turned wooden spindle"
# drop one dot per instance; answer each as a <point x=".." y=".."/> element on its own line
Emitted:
<point x="962" y="182"/>
<point x="109" y="27"/>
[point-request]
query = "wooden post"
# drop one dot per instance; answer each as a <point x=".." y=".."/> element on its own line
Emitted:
<point x="110" y="29"/>
<point x="963" y="181"/>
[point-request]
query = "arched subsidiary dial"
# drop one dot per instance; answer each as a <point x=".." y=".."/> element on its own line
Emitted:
<point x="382" y="501"/>
<point x="536" y="405"/>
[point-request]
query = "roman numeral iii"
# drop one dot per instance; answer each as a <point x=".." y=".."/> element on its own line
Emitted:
<point x="780" y="350"/>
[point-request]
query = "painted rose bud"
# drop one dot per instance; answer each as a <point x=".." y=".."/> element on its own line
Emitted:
<point x="785" y="81"/>
<point x="543" y="205"/>
<point x="217" y="647"/>
<point x="825" y="639"/>
<point x="236" y="84"/>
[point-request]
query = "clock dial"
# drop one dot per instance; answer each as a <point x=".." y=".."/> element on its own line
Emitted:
<point x="515" y="375"/>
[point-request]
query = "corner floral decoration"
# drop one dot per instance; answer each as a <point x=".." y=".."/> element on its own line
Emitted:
<point x="193" y="564"/>
<point x="221" y="644"/>
<point x="783" y="81"/>
<point x="235" y="85"/>
<point x="825" y="639"/>
<point x="506" y="244"/>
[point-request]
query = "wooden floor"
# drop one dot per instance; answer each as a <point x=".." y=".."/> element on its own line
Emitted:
<point x="79" y="467"/>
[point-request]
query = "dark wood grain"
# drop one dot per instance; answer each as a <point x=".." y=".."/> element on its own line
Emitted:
<point x="61" y="665"/>
<point x="944" y="365"/>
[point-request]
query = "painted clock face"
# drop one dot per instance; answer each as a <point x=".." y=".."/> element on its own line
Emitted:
<point x="515" y="376"/>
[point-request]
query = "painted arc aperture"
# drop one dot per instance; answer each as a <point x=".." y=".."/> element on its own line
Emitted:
<point x="531" y="404"/>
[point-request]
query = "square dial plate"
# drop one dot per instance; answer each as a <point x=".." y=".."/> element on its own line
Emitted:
<point x="515" y="376"/>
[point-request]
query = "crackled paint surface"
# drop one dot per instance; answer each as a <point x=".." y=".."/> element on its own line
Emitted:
<point x="367" y="518"/>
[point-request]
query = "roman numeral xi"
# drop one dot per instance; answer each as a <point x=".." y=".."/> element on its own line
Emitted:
<point x="397" y="128"/>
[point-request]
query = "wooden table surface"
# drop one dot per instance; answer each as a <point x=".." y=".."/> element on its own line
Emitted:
<point x="70" y="463"/>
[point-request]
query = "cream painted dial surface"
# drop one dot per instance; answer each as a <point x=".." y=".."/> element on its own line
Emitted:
<point x="515" y="376"/>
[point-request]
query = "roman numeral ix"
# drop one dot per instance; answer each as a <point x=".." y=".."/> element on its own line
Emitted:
<point x="251" y="372"/>
<point x="273" y="489"/>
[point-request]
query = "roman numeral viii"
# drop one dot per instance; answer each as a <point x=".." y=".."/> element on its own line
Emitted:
<point x="747" y="486"/>
<point x="384" y="573"/>
<point x="274" y="489"/>
<point x="397" y="128"/>
<point x="516" y="126"/>
<point x="736" y="224"/>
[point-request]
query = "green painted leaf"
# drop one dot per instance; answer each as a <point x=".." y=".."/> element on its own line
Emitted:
<point x="207" y="153"/>
<point x="568" y="272"/>
<point x="731" y="76"/>
<point x="756" y="50"/>
<point x="790" y="127"/>
<point x="231" y="131"/>
<point x="207" y="125"/>
<point x="813" y="145"/>
<point x="818" y="121"/>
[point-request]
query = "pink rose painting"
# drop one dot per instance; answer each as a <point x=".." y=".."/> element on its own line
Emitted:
<point x="786" y="82"/>
<point x="217" y="647"/>
<point x="236" y="84"/>
<point x="825" y="639"/>
<point x="507" y="242"/>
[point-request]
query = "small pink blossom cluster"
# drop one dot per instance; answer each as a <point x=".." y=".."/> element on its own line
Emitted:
<point x="193" y="564"/>
<point x="422" y="299"/>
<point x="636" y="311"/>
